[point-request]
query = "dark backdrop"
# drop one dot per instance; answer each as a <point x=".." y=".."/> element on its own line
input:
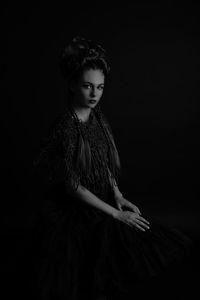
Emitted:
<point x="151" y="100"/>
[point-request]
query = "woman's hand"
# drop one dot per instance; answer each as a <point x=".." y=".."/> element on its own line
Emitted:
<point x="132" y="219"/>
<point x="122" y="202"/>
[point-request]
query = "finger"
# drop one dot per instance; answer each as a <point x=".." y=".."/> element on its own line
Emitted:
<point x="142" y="224"/>
<point x="139" y="227"/>
<point x="127" y="205"/>
<point x="130" y="224"/>
<point x="135" y="209"/>
<point x="130" y="206"/>
<point x="142" y="219"/>
<point x="138" y="211"/>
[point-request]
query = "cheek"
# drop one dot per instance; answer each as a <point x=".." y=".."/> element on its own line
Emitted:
<point x="83" y="94"/>
<point x="86" y="93"/>
<point x="100" y="93"/>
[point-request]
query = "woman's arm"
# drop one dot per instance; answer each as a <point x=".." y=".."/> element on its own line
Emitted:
<point x="88" y="197"/>
<point x="114" y="187"/>
<point x="119" y="198"/>
<point x="130" y="218"/>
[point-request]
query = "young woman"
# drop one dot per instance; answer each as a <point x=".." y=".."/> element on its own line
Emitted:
<point x="97" y="241"/>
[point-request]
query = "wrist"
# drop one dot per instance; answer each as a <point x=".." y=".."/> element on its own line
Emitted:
<point x="115" y="213"/>
<point x="118" y="195"/>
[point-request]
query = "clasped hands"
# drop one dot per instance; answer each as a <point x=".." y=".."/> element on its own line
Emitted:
<point x="132" y="218"/>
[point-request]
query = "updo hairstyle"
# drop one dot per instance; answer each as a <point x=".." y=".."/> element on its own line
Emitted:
<point x="80" y="55"/>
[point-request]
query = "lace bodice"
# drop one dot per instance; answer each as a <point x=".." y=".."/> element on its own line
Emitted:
<point x="58" y="158"/>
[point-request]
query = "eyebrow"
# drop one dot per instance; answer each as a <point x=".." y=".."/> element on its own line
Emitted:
<point x="92" y="83"/>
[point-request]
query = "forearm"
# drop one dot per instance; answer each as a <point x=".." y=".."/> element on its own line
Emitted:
<point x="114" y="186"/>
<point x="89" y="198"/>
<point x="116" y="190"/>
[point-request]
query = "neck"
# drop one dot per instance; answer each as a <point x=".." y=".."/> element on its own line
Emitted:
<point x="82" y="112"/>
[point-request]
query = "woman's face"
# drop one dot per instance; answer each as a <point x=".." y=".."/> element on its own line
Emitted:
<point x="88" y="90"/>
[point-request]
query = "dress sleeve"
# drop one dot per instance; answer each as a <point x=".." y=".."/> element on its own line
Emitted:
<point x="56" y="162"/>
<point x="71" y="173"/>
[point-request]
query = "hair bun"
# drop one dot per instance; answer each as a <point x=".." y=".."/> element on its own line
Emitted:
<point x="88" y="45"/>
<point x="77" y="52"/>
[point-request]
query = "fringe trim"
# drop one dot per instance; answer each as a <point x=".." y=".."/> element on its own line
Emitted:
<point x="93" y="169"/>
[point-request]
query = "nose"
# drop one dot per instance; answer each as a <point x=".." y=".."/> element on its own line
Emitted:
<point x="93" y="93"/>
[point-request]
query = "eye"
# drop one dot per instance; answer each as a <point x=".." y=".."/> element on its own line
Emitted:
<point x="87" y="86"/>
<point x="101" y="87"/>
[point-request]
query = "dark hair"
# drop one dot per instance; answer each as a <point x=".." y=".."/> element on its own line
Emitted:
<point x="80" y="55"/>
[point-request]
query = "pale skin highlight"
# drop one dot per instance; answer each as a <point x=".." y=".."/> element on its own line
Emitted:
<point x="89" y="87"/>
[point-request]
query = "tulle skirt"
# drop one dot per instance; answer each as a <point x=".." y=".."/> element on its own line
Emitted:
<point x="84" y="252"/>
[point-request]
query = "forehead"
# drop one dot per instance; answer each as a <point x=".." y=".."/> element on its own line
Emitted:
<point x="93" y="76"/>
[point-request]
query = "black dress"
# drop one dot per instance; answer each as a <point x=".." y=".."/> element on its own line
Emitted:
<point x="83" y="251"/>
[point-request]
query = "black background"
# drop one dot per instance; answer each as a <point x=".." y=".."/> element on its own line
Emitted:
<point x="151" y="101"/>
